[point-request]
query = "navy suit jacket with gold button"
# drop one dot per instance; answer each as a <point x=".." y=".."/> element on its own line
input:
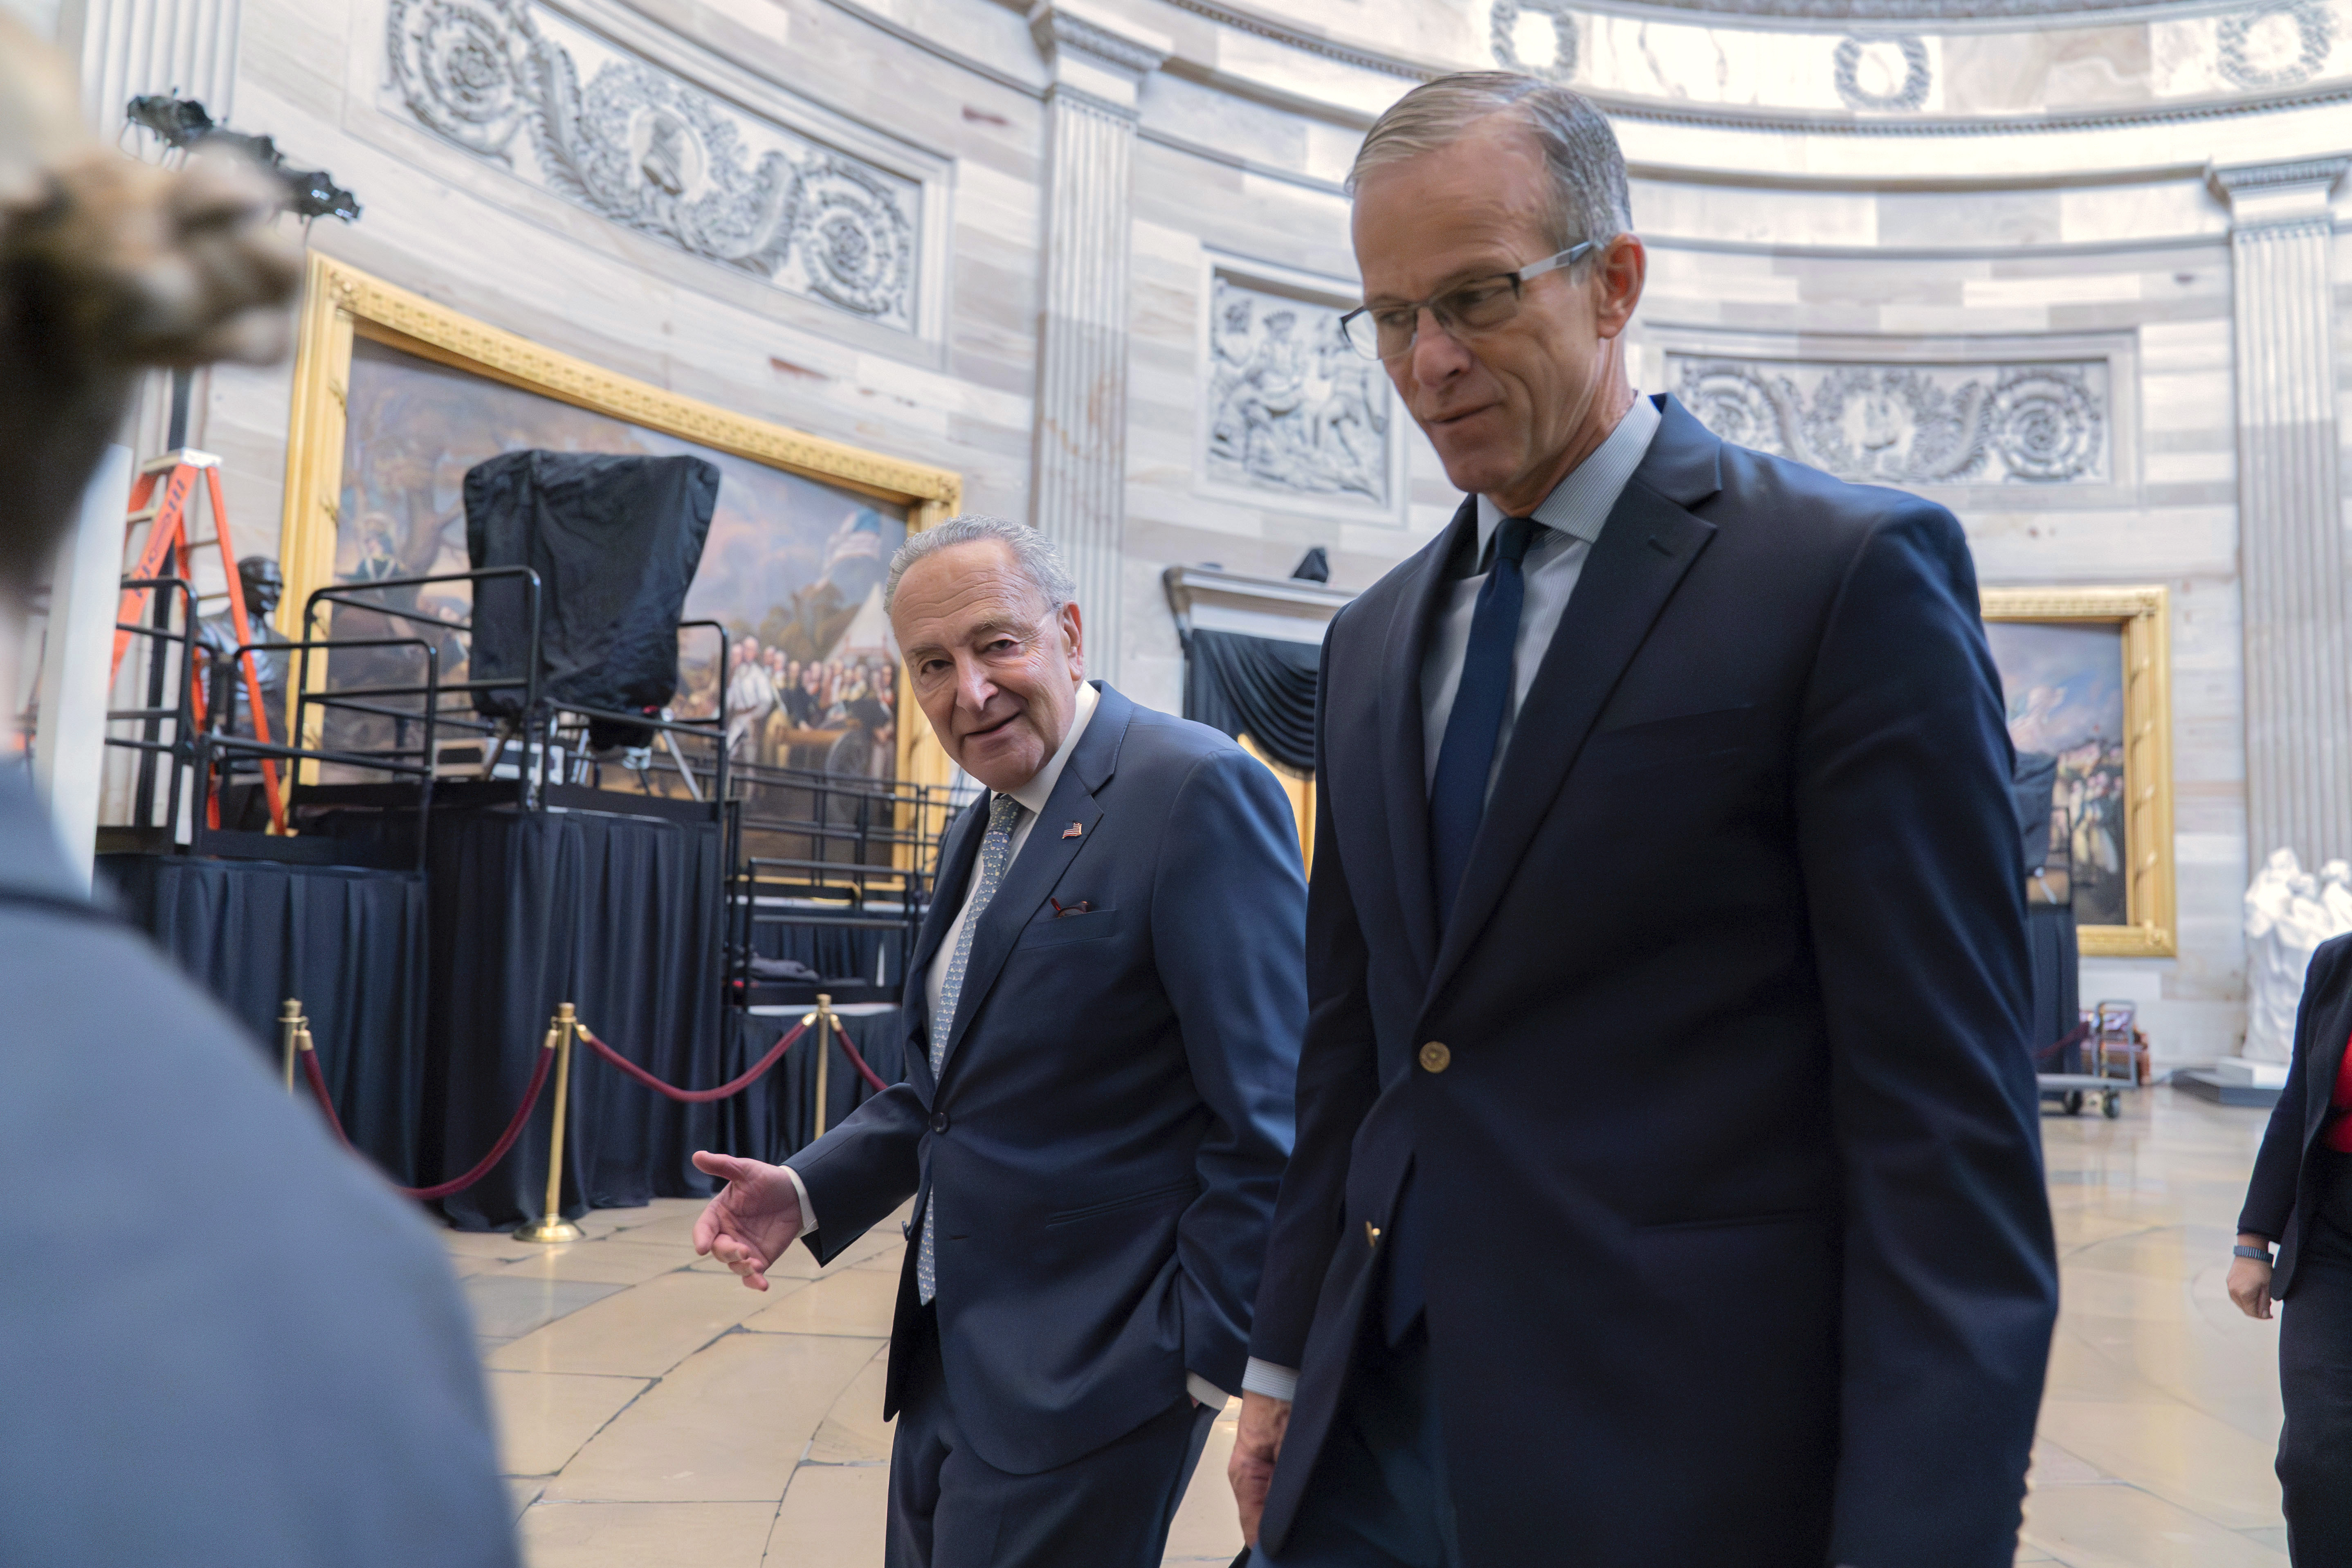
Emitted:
<point x="1106" y="1137"/>
<point x="1737" y="1250"/>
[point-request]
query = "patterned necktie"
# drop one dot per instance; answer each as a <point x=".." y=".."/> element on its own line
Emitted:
<point x="995" y="849"/>
<point x="1457" y="795"/>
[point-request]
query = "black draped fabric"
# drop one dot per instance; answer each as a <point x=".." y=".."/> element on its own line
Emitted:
<point x="349" y="943"/>
<point x="616" y="914"/>
<point x="1260" y="687"/>
<point x="776" y="1116"/>
<point x="615" y="541"/>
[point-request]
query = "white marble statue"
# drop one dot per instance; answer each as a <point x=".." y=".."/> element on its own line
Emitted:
<point x="2289" y="912"/>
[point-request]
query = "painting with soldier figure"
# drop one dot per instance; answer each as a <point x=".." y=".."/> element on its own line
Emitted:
<point x="792" y="568"/>
<point x="2065" y="689"/>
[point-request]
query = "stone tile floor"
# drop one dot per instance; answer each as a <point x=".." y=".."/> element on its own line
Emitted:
<point x="653" y="1412"/>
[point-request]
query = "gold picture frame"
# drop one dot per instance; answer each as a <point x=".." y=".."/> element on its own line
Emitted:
<point x="341" y="303"/>
<point x="2143" y="617"/>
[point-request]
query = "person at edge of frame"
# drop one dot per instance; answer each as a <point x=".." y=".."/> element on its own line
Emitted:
<point x="2300" y="1197"/>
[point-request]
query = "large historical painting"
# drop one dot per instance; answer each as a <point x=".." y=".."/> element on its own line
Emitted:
<point x="2064" y="690"/>
<point x="396" y="397"/>
<point x="793" y="566"/>
<point x="2086" y="676"/>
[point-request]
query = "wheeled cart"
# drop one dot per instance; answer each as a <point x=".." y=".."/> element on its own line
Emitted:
<point x="2108" y="1060"/>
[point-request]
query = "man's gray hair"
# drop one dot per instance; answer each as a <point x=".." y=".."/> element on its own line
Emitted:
<point x="1588" y="168"/>
<point x="1032" y="551"/>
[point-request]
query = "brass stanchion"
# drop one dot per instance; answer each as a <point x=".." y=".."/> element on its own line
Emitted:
<point x="551" y="1226"/>
<point x="290" y="1023"/>
<point x="823" y="1020"/>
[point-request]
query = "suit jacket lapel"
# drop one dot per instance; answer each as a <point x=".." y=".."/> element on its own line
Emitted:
<point x="957" y="855"/>
<point x="1648" y="544"/>
<point x="1038" y="869"/>
<point x="1405" y="757"/>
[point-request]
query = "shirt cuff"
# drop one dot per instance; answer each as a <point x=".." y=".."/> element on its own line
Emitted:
<point x="1207" y="1393"/>
<point x="808" y="1210"/>
<point x="1273" y="1382"/>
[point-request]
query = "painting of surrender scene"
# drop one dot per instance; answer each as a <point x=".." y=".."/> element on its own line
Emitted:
<point x="2064" y="690"/>
<point x="792" y="568"/>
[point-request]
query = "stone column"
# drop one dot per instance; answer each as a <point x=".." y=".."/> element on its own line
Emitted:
<point x="1079" y="483"/>
<point x="2291" y="548"/>
<point x="128" y="47"/>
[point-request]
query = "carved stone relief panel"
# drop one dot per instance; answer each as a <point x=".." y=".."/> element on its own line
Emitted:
<point x="2025" y="424"/>
<point x="528" y="87"/>
<point x="1291" y="408"/>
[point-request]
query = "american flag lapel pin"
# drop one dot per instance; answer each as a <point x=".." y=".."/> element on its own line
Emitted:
<point x="1074" y="830"/>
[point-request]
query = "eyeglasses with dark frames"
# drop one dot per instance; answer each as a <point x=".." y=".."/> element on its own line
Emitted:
<point x="1480" y="305"/>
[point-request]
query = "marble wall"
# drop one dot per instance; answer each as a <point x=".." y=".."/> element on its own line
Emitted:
<point x="1979" y="259"/>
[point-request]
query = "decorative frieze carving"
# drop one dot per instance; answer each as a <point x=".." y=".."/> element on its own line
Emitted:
<point x="1910" y="424"/>
<point x="1291" y="407"/>
<point x="519" y="83"/>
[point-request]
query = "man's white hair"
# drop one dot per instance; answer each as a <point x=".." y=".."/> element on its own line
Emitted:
<point x="1032" y="553"/>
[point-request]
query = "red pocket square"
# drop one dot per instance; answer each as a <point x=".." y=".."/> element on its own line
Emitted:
<point x="1061" y="908"/>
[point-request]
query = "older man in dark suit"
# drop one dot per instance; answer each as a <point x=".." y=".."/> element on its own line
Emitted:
<point x="1102" y="1037"/>
<point x="1668" y="1188"/>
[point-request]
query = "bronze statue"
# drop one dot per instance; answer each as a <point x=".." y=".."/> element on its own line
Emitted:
<point x="227" y="711"/>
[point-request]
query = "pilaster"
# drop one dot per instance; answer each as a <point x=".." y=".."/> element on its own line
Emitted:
<point x="2290" y="544"/>
<point x="1100" y="62"/>
<point x="132" y="47"/>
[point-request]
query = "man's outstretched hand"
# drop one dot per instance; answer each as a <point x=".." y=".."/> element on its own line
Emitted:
<point x="755" y="1217"/>
<point x="1256" y="1446"/>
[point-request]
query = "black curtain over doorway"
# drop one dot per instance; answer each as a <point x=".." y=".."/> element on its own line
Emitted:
<point x="1260" y="687"/>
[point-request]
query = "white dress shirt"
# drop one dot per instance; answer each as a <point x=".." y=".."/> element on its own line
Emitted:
<point x="1033" y="797"/>
<point x="1572" y="516"/>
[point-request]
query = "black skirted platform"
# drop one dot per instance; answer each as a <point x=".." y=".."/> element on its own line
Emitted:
<point x="429" y="994"/>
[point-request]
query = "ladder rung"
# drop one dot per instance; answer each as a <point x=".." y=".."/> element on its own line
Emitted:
<point x="144" y="514"/>
<point x="170" y="460"/>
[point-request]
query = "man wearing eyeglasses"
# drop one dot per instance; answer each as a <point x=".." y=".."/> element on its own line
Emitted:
<point x="1667" y="1188"/>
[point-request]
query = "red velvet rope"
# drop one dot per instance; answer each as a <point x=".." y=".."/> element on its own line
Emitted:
<point x="857" y="1062"/>
<point x="497" y="1151"/>
<point x="694" y="1096"/>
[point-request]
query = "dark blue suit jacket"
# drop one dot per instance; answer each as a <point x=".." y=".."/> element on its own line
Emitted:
<point x="1736" y="1249"/>
<point x="2322" y="1025"/>
<point x="1107" y="1137"/>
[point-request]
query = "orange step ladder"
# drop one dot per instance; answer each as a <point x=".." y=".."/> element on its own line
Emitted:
<point x="170" y="544"/>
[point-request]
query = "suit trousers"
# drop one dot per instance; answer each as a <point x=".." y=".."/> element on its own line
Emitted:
<point x="952" y="1508"/>
<point x="2314" y="1457"/>
<point x="1379" y="1498"/>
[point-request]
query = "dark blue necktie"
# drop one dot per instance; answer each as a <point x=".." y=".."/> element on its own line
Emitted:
<point x="1457" y="795"/>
